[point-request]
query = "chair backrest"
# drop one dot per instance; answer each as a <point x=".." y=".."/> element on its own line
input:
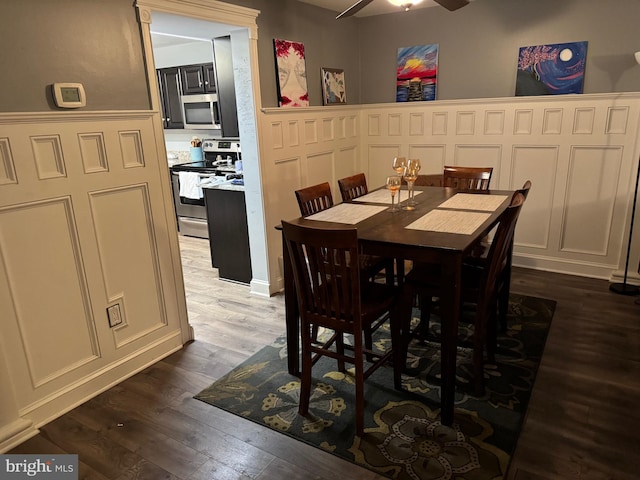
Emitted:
<point x="326" y="274"/>
<point x="353" y="187"/>
<point x="426" y="181"/>
<point x="525" y="189"/>
<point x="467" y="178"/>
<point x="499" y="252"/>
<point x="314" y="199"/>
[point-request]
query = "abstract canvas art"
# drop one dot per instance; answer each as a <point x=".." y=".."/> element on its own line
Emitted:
<point x="553" y="69"/>
<point x="333" y="86"/>
<point x="292" y="73"/>
<point x="417" y="71"/>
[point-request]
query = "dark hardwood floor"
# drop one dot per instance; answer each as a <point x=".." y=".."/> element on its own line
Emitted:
<point x="582" y="422"/>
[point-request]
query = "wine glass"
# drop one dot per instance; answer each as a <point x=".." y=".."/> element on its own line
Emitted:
<point x="410" y="176"/>
<point x="399" y="164"/>
<point x="393" y="185"/>
<point x="413" y="166"/>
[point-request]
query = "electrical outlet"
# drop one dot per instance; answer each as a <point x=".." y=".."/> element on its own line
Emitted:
<point x="115" y="315"/>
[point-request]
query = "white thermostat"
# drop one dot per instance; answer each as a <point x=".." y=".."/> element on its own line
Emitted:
<point x="69" y="95"/>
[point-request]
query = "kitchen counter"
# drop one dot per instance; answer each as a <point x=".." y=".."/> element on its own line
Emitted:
<point x="228" y="231"/>
<point x="224" y="186"/>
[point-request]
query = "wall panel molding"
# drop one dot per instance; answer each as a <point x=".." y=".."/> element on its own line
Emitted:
<point x="7" y="169"/>
<point x="61" y="347"/>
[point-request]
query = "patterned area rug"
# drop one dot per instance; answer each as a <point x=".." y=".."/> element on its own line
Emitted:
<point x="403" y="438"/>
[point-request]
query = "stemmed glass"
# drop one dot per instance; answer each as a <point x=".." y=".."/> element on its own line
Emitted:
<point x="393" y="185"/>
<point x="410" y="175"/>
<point x="399" y="164"/>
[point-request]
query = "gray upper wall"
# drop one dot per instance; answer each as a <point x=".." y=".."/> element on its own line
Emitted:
<point x="478" y="44"/>
<point x="97" y="42"/>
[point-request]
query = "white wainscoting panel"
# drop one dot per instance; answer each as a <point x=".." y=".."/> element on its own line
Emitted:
<point x="539" y="165"/>
<point x="592" y="187"/>
<point x="580" y="152"/>
<point x="7" y="170"/>
<point x="85" y="223"/>
<point x="119" y="248"/>
<point x="46" y="280"/>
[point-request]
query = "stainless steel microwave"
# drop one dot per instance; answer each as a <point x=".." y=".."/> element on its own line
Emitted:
<point x="201" y="111"/>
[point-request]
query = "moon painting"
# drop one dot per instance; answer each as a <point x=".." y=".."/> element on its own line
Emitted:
<point x="553" y="69"/>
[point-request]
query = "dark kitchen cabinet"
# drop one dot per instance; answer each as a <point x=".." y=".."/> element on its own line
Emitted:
<point x="197" y="79"/>
<point x="228" y="233"/>
<point x="169" y="83"/>
<point x="226" y="86"/>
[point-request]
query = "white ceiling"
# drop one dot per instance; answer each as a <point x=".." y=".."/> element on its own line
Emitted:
<point x="168" y="29"/>
<point x="377" y="7"/>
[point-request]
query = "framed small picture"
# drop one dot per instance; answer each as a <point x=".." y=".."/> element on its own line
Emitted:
<point x="333" y="87"/>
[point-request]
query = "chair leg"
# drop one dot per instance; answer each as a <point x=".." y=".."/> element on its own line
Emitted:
<point x="422" y="330"/>
<point x="389" y="272"/>
<point x="492" y="337"/>
<point x="305" y="376"/>
<point x="478" y="358"/>
<point x="359" y="381"/>
<point x="503" y="305"/>
<point x="403" y="312"/>
<point x="397" y="342"/>
<point x="368" y="343"/>
<point x="340" y="350"/>
<point x="400" y="270"/>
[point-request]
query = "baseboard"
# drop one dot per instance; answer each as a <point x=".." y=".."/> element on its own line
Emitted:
<point x="15" y="433"/>
<point x="261" y="288"/>
<point x="568" y="267"/>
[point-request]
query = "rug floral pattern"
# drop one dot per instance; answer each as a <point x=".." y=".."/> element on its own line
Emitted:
<point x="403" y="438"/>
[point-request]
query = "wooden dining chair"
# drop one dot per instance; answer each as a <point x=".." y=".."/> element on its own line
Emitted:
<point x="330" y="295"/>
<point x="353" y="187"/>
<point x="467" y="178"/>
<point x="480" y="288"/>
<point x="314" y="199"/>
<point x="478" y="258"/>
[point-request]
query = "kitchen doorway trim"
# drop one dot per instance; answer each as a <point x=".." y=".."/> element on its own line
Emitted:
<point x="245" y="47"/>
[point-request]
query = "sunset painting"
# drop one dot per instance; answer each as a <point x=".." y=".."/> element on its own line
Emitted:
<point x="416" y="73"/>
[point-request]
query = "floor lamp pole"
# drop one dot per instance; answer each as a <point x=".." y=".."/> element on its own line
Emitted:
<point x="623" y="288"/>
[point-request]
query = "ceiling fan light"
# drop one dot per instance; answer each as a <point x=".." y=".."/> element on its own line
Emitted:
<point x="406" y="4"/>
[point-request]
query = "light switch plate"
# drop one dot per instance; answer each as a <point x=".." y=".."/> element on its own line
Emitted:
<point x="115" y="315"/>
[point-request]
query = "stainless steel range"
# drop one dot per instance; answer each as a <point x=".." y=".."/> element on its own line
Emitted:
<point x="219" y="157"/>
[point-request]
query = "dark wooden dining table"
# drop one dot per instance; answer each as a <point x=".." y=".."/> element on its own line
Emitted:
<point x="384" y="234"/>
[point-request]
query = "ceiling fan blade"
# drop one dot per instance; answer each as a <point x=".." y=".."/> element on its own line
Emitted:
<point x="452" y="5"/>
<point x="355" y="8"/>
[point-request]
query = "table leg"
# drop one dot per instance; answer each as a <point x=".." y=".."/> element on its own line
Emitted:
<point x="292" y="313"/>
<point x="450" y="315"/>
